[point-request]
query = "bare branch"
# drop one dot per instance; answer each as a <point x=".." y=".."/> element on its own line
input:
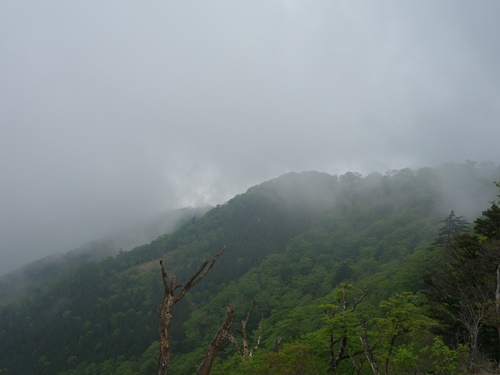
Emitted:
<point x="213" y="348"/>
<point x="235" y="343"/>
<point x="341" y="342"/>
<point x="369" y="353"/>
<point x="210" y="265"/>
<point x="355" y="363"/>
<point x="164" y="276"/>
<point x="358" y="300"/>
<point x="244" y="351"/>
<point x="259" y="339"/>
<point x="191" y="282"/>
<point x="344" y="297"/>
<point x="249" y="312"/>
<point x="200" y="273"/>
<point x="277" y="344"/>
<point x="165" y="311"/>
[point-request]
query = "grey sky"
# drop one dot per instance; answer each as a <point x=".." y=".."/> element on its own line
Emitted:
<point x="113" y="110"/>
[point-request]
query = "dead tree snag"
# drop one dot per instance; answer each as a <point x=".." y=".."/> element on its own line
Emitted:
<point x="245" y="351"/>
<point x="213" y="348"/>
<point x="170" y="298"/>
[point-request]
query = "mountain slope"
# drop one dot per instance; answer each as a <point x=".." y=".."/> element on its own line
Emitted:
<point x="289" y="242"/>
<point x="40" y="273"/>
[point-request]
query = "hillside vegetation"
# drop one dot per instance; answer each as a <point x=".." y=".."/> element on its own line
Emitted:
<point x="349" y="274"/>
<point x="41" y="273"/>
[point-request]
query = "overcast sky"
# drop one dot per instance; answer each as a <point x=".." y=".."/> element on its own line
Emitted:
<point x="114" y="110"/>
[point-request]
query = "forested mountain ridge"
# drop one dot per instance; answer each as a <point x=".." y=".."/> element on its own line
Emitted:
<point x="42" y="272"/>
<point x="290" y="242"/>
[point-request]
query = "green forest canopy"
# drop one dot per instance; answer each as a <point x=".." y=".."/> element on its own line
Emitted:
<point x="302" y="246"/>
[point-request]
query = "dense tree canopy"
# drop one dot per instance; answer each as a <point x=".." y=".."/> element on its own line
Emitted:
<point x="306" y="247"/>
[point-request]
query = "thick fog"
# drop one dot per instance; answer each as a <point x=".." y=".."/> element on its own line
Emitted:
<point x="114" y="111"/>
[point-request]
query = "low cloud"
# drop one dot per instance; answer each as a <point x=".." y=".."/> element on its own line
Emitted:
<point x="111" y="112"/>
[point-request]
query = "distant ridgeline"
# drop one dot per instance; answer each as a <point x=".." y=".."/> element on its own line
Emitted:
<point x="40" y="273"/>
<point x="292" y="243"/>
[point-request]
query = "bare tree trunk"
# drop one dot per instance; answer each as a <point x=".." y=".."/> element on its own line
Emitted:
<point x="368" y="349"/>
<point x="391" y="348"/>
<point x="166" y="317"/>
<point x="169" y="300"/>
<point x="213" y="348"/>
<point x="471" y="314"/>
<point x="259" y="339"/>
<point x="335" y="359"/>
<point x="497" y="307"/>
<point x="355" y="364"/>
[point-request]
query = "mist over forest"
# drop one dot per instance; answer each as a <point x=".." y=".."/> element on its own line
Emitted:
<point x="172" y="105"/>
<point x="332" y="146"/>
<point x="298" y="246"/>
<point x="463" y="192"/>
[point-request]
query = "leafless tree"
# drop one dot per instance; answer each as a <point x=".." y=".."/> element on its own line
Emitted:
<point x="170" y="298"/>
<point x="244" y="350"/>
